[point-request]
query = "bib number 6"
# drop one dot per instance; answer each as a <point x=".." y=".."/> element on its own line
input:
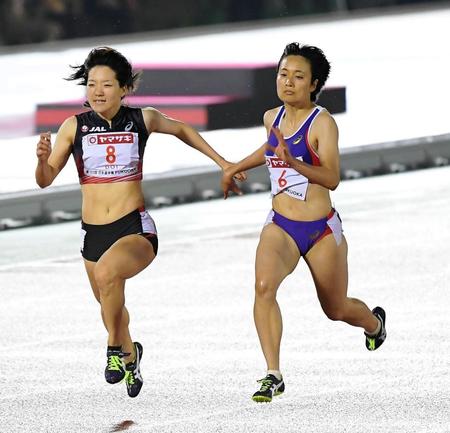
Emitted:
<point x="282" y="182"/>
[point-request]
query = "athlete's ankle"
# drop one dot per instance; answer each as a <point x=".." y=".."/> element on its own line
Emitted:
<point x="114" y="347"/>
<point x="377" y="329"/>
<point x="275" y="373"/>
<point x="130" y="355"/>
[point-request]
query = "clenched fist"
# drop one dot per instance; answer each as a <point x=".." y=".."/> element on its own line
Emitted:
<point x="44" y="146"/>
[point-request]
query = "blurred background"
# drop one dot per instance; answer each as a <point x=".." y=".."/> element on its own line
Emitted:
<point x="34" y="21"/>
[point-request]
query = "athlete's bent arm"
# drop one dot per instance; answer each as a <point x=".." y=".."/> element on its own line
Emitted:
<point x="52" y="161"/>
<point x="325" y="134"/>
<point x="253" y="160"/>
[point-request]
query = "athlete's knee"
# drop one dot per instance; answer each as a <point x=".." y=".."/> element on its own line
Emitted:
<point x="265" y="289"/>
<point x="97" y="295"/>
<point x="105" y="277"/>
<point x="334" y="312"/>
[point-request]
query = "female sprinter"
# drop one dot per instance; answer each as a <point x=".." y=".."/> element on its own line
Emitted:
<point x="303" y="161"/>
<point x="119" y="237"/>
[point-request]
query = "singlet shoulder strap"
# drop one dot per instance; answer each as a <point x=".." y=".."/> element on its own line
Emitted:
<point x="308" y="122"/>
<point x="276" y="122"/>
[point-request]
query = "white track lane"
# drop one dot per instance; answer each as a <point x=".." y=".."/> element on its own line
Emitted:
<point x="192" y="310"/>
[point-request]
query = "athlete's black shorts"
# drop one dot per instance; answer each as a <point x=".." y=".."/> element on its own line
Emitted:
<point x="96" y="239"/>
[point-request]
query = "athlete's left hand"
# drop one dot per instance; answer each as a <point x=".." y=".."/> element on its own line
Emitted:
<point x="241" y="176"/>
<point x="282" y="150"/>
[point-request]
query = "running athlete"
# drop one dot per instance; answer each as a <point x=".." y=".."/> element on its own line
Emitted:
<point x="118" y="236"/>
<point x="302" y="157"/>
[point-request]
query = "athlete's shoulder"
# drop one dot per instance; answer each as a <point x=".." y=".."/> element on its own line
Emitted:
<point x="69" y="125"/>
<point x="324" y="129"/>
<point x="67" y="132"/>
<point x="269" y="116"/>
<point x="150" y="116"/>
<point x="149" y="111"/>
<point x="325" y="120"/>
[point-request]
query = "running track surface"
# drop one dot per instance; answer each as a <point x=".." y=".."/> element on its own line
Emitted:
<point x="192" y="311"/>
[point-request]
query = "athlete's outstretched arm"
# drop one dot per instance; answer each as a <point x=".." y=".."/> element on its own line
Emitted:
<point x="158" y="122"/>
<point x="52" y="161"/>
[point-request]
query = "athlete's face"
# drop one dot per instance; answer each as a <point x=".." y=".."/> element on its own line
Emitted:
<point x="294" y="80"/>
<point x="104" y="93"/>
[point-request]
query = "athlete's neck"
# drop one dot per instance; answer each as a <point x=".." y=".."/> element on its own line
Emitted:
<point x="294" y="114"/>
<point x="109" y="116"/>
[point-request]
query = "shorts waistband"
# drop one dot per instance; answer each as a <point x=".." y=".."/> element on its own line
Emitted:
<point x="119" y="221"/>
<point x="325" y="218"/>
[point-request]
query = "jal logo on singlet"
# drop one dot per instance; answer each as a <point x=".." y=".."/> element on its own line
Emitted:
<point x="85" y="128"/>
<point x="111" y="139"/>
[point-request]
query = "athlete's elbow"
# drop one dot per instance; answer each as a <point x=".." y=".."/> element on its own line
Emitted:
<point x="333" y="186"/>
<point x="184" y="131"/>
<point x="42" y="184"/>
<point x="334" y="183"/>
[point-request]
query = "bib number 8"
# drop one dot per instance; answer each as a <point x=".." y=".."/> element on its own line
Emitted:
<point x="282" y="182"/>
<point x="111" y="154"/>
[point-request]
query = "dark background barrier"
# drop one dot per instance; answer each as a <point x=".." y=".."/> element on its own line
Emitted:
<point x="207" y="97"/>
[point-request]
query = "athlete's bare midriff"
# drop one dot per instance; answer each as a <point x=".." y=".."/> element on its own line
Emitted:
<point x="317" y="204"/>
<point x="106" y="203"/>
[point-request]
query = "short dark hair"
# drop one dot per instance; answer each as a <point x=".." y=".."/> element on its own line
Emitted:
<point x="106" y="56"/>
<point x="320" y="66"/>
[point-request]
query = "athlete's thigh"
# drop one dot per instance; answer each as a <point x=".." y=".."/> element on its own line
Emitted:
<point x="90" y="270"/>
<point x="128" y="256"/>
<point x="327" y="262"/>
<point x="277" y="255"/>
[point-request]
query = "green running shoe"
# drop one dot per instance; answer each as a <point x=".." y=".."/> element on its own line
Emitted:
<point x="133" y="378"/>
<point x="115" y="367"/>
<point x="270" y="387"/>
<point x="373" y="342"/>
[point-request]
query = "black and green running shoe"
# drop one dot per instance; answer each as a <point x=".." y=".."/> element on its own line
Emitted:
<point x="373" y="342"/>
<point x="270" y="387"/>
<point x="115" y="367"/>
<point x="133" y="378"/>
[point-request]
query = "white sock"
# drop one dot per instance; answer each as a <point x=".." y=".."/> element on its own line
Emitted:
<point x="372" y="334"/>
<point x="275" y="373"/>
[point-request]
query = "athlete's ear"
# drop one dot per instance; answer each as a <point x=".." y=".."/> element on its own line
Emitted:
<point x="314" y="85"/>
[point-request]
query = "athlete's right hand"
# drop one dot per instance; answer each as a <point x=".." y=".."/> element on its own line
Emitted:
<point x="228" y="183"/>
<point x="44" y="146"/>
